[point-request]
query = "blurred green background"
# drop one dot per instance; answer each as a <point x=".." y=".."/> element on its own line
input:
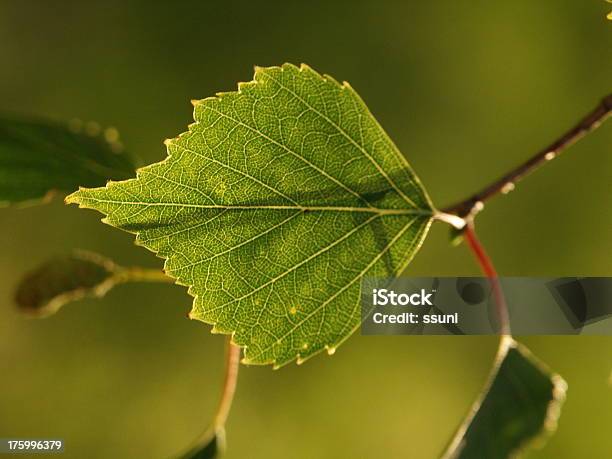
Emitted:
<point x="466" y="90"/>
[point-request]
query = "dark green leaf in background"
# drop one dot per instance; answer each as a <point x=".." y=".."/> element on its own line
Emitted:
<point x="68" y="278"/>
<point x="40" y="158"/>
<point x="522" y="401"/>
<point x="64" y="279"/>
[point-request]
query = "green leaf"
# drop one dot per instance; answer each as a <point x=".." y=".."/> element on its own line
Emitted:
<point x="522" y="401"/>
<point x="64" y="279"/>
<point x="274" y="205"/>
<point x="39" y="158"/>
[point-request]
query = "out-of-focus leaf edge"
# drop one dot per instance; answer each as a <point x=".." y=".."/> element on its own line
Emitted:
<point x="212" y="445"/>
<point x="49" y="306"/>
<point x="553" y="412"/>
<point x="52" y="193"/>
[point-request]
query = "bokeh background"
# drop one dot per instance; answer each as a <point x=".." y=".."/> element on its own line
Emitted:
<point x="466" y="89"/>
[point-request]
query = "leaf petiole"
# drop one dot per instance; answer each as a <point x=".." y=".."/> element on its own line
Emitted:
<point x="139" y="274"/>
<point x="489" y="270"/>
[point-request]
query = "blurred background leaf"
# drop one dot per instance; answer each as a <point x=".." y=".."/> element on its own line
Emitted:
<point x="66" y="278"/>
<point x="211" y="447"/>
<point x="41" y="158"/>
<point x="465" y="91"/>
<point x="521" y="403"/>
<point x="63" y="279"/>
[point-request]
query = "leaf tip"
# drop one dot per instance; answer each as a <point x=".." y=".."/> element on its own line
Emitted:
<point x="73" y="198"/>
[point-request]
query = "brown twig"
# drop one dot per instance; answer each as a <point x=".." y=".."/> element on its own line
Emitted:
<point x="472" y="205"/>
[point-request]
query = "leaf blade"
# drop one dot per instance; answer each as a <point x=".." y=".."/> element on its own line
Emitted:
<point x="63" y="279"/>
<point x="522" y="402"/>
<point x="269" y="210"/>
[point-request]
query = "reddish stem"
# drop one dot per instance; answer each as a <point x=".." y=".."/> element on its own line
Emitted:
<point x="489" y="270"/>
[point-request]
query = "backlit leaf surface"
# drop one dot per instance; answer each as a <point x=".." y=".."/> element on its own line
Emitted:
<point x="274" y="205"/>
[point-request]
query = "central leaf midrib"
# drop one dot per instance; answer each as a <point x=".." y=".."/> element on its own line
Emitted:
<point x="374" y="210"/>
